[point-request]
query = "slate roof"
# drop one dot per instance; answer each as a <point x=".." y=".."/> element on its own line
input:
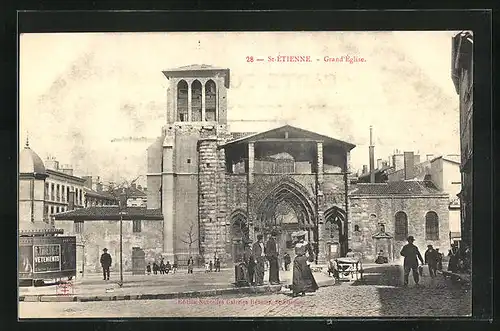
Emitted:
<point x="397" y="188"/>
<point x="37" y="229"/>
<point x="111" y="213"/>
<point x="238" y="135"/>
<point x="104" y="195"/>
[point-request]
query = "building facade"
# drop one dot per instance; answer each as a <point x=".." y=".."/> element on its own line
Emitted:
<point x="63" y="190"/>
<point x="217" y="189"/>
<point x="444" y="172"/>
<point x="383" y="215"/>
<point x="98" y="227"/>
<point x="94" y="194"/>
<point x="462" y="77"/>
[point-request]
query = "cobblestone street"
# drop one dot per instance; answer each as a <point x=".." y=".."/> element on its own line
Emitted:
<point x="379" y="294"/>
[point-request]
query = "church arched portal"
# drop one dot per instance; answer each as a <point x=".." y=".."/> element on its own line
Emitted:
<point x="239" y="234"/>
<point x="286" y="209"/>
<point x="335" y="229"/>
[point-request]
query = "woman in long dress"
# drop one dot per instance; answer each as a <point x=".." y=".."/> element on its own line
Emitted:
<point x="303" y="279"/>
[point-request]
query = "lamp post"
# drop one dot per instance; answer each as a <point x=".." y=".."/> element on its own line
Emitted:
<point x="121" y="247"/>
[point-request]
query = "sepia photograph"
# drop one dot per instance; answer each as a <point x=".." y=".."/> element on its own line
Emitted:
<point x="245" y="174"/>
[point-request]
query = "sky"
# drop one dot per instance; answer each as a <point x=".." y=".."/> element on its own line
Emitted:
<point x="80" y="93"/>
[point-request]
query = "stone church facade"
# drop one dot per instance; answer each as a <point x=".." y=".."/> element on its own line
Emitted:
<point x="217" y="189"/>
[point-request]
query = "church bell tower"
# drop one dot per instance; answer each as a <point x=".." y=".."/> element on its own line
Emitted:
<point x="186" y="169"/>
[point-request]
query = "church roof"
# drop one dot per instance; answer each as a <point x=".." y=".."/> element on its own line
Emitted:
<point x="30" y="162"/>
<point x="399" y="188"/>
<point x="111" y="213"/>
<point x="291" y="132"/>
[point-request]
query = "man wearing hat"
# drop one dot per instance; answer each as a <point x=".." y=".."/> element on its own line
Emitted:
<point x="249" y="261"/>
<point x="259" y="256"/>
<point x="411" y="253"/>
<point x="272" y="257"/>
<point x="431" y="258"/>
<point x="105" y="263"/>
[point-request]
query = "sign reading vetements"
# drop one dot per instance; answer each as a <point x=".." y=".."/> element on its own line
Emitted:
<point x="47" y="258"/>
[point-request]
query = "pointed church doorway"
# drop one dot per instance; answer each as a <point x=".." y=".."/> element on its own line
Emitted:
<point x="286" y="209"/>
<point x="336" y="232"/>
<point x="239" y="234"/>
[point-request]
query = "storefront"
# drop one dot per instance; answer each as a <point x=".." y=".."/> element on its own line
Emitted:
<point x="45" y="257"/>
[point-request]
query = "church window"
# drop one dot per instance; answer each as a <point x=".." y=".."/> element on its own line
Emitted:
<point x="431" y="226"/>
<point x="182" y="101"/>
<point x="137" y="226"/>
<point x="196" y="94"/>
<point x="401" y="226"/>
<point x="78" y="226"/>
<point x="210" y="101"/>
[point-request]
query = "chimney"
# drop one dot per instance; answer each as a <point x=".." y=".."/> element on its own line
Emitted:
<point x="98" y="187"/>
<point x="88" y="181"/>
<point x="67" y="169"/>
<point x="416" y="159"/>
<point x="71" y="200"/>
<point x="398" y="161"/>
<point x="372" y="157"/>
<point x="380" y="164"/>
<point x="365" y="169"/>
<point x="52" y="163"/>
<point x="429" y="157"/>
<point x="409" y="165"/>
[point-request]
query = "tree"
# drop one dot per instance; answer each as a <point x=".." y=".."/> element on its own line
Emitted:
<point x="190" y="237"/>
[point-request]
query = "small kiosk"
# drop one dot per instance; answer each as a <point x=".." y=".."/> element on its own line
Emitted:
<point x="45" y="256"/>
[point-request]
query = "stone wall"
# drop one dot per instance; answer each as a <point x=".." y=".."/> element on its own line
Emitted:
<point x="186" y="217"/>
<point x="106" y="234"/>
<point x="384" y="210"/>
<point x="236" y="191"/>
<point x="212" y="196"/>
<point x="334" y="191"/>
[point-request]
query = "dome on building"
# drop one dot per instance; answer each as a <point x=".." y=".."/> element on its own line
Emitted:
<point x="30" y="162"/>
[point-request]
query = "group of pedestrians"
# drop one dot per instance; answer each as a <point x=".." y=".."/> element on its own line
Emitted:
<point x="212" y="266"/>
<point x="255" y="256"/>
<point x="411" y="254"/>
<point x="163" y="268"/>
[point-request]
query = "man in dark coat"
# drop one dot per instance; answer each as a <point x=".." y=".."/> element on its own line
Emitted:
<point x="105" y="263"/>
<point x="259" y="256"/>
<point x="272" y="257"/>
<point x="249" y="261"/>
<point x="431" y="259"/>
<point x="287" y="260"/>
<point x="411" y="253"/>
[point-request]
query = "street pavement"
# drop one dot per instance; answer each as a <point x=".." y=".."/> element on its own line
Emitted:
<point x="380" y="293"/>
<point x="94" y="285"/>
